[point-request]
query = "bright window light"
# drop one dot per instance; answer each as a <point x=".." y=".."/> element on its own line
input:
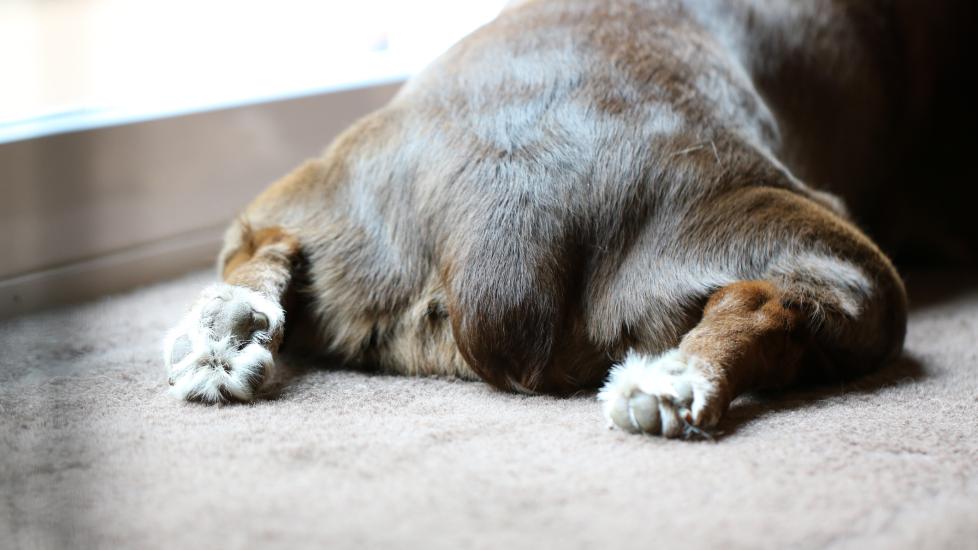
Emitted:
<point x="75" y="64"/>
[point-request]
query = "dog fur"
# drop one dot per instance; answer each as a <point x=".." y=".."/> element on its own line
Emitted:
<point x="581" y="185"/>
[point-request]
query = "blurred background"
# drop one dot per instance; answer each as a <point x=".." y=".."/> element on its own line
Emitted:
<point x="68" y="64"/>
<point x="131" y="131"/>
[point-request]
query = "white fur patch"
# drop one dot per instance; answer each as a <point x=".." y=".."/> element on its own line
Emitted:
<point x="660" y="395"/>
<point x="847" y="284"/>
<point x="204" y="364"/>
<point x="663" y="120"/>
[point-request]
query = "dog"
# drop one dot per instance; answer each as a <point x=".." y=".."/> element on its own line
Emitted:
<point x="639" y="196"/>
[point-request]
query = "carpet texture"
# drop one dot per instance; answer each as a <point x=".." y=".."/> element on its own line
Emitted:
<point x="94" y="454"/>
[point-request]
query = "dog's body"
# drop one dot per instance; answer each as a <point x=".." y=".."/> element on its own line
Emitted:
<point x="580" y="184"/>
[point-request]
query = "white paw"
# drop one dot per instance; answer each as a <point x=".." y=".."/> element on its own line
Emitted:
<point x="670" y="395"/>
<point x="222" y="348"/>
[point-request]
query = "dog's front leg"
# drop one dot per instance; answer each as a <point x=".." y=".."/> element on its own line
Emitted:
<point x="223" y="349"/>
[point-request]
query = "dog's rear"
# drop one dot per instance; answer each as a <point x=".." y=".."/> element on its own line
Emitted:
<point x="586" y="183"/>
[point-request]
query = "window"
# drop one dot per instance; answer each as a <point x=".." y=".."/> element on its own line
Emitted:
<point x="73" y="64"/>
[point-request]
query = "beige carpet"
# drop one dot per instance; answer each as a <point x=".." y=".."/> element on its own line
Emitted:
<point x="94" y="454"/>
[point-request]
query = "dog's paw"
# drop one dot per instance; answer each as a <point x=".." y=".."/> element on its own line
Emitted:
<point x="222" y="349"/>
<point x="672" y="395"/>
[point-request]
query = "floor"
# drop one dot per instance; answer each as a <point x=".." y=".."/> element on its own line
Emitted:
<point x="93" y="453"/>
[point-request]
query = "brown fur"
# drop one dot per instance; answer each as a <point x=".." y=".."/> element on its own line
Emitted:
<point x="578" y="179"/>
<point x="256" y="243"/>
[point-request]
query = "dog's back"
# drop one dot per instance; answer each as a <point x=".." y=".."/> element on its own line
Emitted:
<point x="583" y="182"/>
<point x="874" y="103"/>
<point x="592" y="134"/>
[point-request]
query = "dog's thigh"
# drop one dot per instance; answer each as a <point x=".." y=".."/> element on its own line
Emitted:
<point x="822" y="300"/>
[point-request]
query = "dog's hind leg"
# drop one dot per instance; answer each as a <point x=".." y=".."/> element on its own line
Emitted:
<point x="223" y="349"/>
<point x="827" y="302"/>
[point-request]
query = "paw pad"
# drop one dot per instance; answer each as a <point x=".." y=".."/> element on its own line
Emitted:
<point x="666" y="395"/>
<point x="222" y="349"/>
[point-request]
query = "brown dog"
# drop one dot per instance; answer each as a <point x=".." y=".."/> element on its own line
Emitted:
<point x="590" y="185"/>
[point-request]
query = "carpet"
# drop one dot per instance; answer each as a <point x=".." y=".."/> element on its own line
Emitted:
<point x="94" y="454"/>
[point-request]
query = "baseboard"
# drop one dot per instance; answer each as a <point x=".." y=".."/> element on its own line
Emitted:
<point x="110" y="273"/>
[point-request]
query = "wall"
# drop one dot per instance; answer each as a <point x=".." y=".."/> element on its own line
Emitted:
<point x="102" y="210"/>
